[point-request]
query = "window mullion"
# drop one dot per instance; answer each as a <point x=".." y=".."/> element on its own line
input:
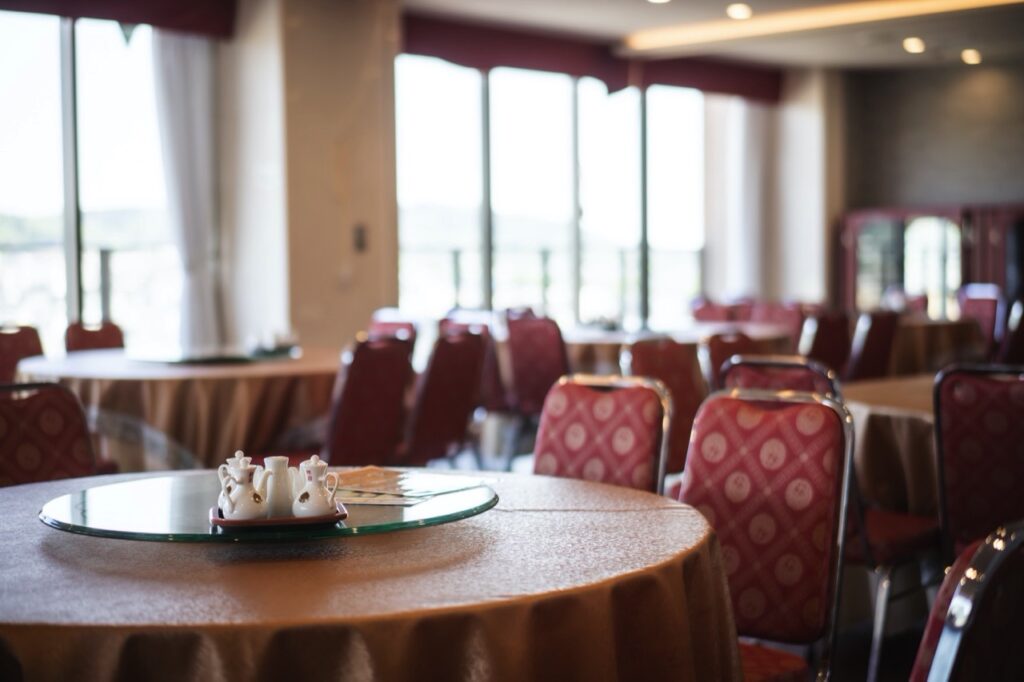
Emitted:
<point x="69" y="148"/>
<point x="487" y="211"/>
<point x="577" y="209"/>
<point x="645" y="263"/>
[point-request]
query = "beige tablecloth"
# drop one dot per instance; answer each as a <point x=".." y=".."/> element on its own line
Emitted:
<point x="563" y="580"/>
<point x="895" y="442"/>
<point x="206" y="412"/>
<point x="924" y="345"/>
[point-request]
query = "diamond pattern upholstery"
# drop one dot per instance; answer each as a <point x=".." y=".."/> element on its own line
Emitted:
<point x="80" y="337"/>
<point x="610" y="436"/>
<point x="768" y="477"/>
<point x="980" y="450"/>
<point x="43" y="435"/>
<point x="537" y="355"/>
<point x="15" y="344"/>
<point x="675" y="365"/>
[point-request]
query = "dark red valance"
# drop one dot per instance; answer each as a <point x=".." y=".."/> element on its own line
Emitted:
<point x="206" y="17"/>
<point x="483" y="46"/>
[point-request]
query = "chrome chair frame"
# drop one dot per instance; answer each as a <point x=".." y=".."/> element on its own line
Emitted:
<point x="824" y="672"/>
<point x="664" y="397"/>
<point x="786" y="362"/>
<point x="987" y="560"/>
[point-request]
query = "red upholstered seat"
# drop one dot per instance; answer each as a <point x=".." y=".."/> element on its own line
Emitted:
<point x="769" y="477"/>
<point x="17" y="343"/>
<point x="717" y="348"/>
<point x="605" y="430"/>
<point x="445" y="398"/>
<point x="78" y="336"/>
<point x="765" y="664"/>
<point x="676" y="366"/>
<point x="538" y="358"/>
<point x="980" y="454"/>
<point x="894" y="537"/>
<point x="43" y="435"/>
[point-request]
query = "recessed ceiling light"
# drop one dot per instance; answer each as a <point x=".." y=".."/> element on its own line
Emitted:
<point x="913" y="45"/>
<point x="658" y="2"/>
<point x="971" y="56"/>
<point x="739" y="11"/>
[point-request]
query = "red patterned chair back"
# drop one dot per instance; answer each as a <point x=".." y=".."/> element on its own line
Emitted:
<point x="43" y="435"/>
<point x="538" y="359"/>
<point x="980" y="458"/>
<point x="771" y="473"/>
<point x="368" y="414"/>
<point x="717" y="348"/>
<point x="17" y="343"/>
<point x="704" y="310"/>
<point x="826" y="339"/>
<point x="976" y="620"/>
<point x="605" y="429"/>
<point x="872" y="345"/>
<point x="676" y="366"/>
<point x="984" y="303"/>
<point x="493" y="395"/>
<point x="447" y="393"/>
<point x="81" y="337"/>
<point x="780" y="373"/>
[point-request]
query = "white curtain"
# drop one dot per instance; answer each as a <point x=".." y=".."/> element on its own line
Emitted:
<point x="739" y="148"/>
<point x="184" y="70"/>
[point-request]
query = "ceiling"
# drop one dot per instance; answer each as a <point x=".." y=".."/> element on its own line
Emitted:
<point x="995" y="31"/>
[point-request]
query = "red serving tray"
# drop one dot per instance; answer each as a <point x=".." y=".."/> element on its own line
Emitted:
<point x="216" y="519"/>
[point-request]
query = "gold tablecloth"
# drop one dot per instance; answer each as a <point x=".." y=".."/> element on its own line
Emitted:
<point x="895" y="442"/>
<point x="922" y="345"/>
<point x="563" y="580"/>
<point x="208" y="410"/>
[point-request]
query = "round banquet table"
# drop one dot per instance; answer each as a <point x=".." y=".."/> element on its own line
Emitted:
<point x="596" y="351"/>
<point x="160" y="415"/>
<point x="895" y="441"/>
<point x="562" y="580"/>
<point x="924" y="345"/>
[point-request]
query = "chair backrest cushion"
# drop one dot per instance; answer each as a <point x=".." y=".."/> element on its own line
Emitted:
<point x="768" y="477"/>
<point x="675" y="365"/>
<point x="981" y="451"/>
<point x="826" y="338"/>
<point x="81" y="337"/>
<point x="871" y="348"/>
<point x="43" y="435"/>
<point x="610" y="436"/>
<point x="16" y="344"/>
<point x="721" y="347"/>
<point x="771" y="378"/>
<point x="538" y="358"/>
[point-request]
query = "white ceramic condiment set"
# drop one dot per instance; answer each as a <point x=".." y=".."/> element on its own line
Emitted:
<point x="252" y="492"/>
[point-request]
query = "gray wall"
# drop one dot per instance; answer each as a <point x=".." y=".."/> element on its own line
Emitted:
<point x="944" y="135"/>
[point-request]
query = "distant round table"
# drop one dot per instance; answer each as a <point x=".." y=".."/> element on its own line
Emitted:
<point x="924" y="345"/>
<point x="166" y="415"/>
<point x="895" y="441"/>
<point x="562" y="580"/>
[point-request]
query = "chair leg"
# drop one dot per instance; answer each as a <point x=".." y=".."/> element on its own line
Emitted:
<point x="884" y="574"/>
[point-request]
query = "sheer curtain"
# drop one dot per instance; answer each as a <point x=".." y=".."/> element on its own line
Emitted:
<point x="184" y="70"/>
<point x="739" y="139"/>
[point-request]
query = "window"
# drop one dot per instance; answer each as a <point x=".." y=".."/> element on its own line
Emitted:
<point x="129" y="263"/>
<point x="32" y="271"/>
<point x="534" y="180"/>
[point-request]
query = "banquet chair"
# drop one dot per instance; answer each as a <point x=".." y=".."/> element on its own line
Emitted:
<point x="44" y="436"/>
<point x="493" y="396"/>
<point x="878" y="539"/>
<point x="740" y="309"/>
<point x="17" y="343"/>
<point x="368" y="410"/>
<point x="826" y="338"/>
<point x="984" y="303"/>
<point x="788" y="315"/>
<point x="871" y="349"/>
<point x="537" y="356"/>
<point x="979" y="459"/>
<point x="1011" y="350"/>
<point x="391" y="322"/>
<point x="771" y="471"/>
<point x="446" y="395"/>
<point x="607" y="429"/>
<point x="976" y="621"/>
<point x="676" y="366"/>
<point x="714" y="350"/>
<point x="79" y="336"/>
<point x="704" y="310"/>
